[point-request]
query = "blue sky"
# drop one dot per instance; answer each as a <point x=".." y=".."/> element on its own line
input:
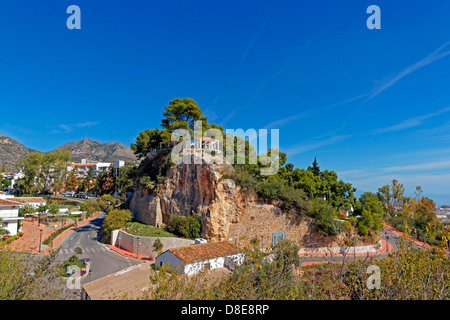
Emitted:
<point x="372" y="105"/>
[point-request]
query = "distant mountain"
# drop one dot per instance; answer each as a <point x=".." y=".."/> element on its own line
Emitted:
<point x="99" y="151"/>
<point x="11" y="151"/>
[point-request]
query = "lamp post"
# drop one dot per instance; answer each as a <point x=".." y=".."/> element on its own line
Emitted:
<point x="137" y="255"/>
<point x="40" y="238"/>
<point x="262" y="243"/>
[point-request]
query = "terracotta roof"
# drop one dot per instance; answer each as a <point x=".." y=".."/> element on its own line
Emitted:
<point x="204" y="251"/>
<point x="29" y="199"/>
<point x="8" y="203"/>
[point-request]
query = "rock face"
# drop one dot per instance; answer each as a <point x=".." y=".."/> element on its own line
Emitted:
<point x="225" y="212"/>
<point x="146" y="208"/>
<point x="192" y="189"/>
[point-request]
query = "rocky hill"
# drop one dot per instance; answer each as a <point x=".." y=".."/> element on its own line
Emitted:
<point x="224" y="209"/>
<point x="99" y="151"/>
<point x="11" y="151"/>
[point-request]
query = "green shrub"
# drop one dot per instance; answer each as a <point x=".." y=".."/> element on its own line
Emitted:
<point x="292" y="198"/>
<point x="188" y="227"/>
<point x="115" y="219"/>
<point x="243" y="179"/>
<point x="325" y="223"/>
<point x="49" y="240"/>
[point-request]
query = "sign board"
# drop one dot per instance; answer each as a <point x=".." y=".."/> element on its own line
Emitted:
<point x="6" y="237"/>
<point x="119" y="237"/>
<point x="278" y="237"/>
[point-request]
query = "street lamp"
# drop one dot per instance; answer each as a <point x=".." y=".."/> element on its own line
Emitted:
<point x="40" y="238"/>
<point x="137" y="255"/>
<point x="262" y="243"/>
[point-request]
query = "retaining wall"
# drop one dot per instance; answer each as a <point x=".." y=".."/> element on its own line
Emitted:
<point x="342" y="250"/>
<point x="144" y="247"/>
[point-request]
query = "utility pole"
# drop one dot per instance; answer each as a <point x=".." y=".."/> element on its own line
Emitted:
<point x="40" y="238"/>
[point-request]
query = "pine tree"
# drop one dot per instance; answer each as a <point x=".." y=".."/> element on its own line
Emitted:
<point x="315" y="168"/>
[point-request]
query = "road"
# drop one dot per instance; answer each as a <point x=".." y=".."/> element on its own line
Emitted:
<point x="103" y="261"/>
<point x="390" y="237"/>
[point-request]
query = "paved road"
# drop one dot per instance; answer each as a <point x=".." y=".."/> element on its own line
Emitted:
<point x="103" y="261"/>
<point x="390" y="237"/>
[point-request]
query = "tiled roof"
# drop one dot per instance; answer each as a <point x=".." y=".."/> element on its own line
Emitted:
<point x="8" y="203"/>
<point x="204" y="251"/>
<point x="29" y="199"/>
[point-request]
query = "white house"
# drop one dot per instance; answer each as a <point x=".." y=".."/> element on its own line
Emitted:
<point x="4" y="195"/>
<point x="34" y="202"/>
<point x="191" y="259"/>
<point x="9" y="213"/>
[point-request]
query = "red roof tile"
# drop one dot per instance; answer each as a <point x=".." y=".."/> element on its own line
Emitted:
<point x="8" y="203"/>
<point x="29" y="199"/>
<point x="205" y="251"/>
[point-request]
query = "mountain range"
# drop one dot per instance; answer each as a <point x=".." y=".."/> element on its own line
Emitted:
<point x="11" y="151"/>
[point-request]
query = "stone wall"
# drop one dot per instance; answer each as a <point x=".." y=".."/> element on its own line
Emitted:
<point x="146" y="208"/>
<point x="145" y="244"/>
<point x="262" y="220"/>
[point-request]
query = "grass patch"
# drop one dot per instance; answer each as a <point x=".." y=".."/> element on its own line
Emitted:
<point x="139" y="229"/>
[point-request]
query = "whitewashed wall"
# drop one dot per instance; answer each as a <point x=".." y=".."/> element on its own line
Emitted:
<point x="169" y="258"/>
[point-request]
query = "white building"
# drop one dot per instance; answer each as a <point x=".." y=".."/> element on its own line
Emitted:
<point x="9" y="213"/>
<point x="14" y="177"/>
<point x="101" y="167"/>
<point x="85" y="166"/>
<point x="35" y="202"/>
<point x="191" y="259"/>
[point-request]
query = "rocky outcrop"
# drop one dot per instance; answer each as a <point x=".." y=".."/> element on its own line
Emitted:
<point x="224" y="210"/>
<point x="146" y="208"/>
<point x="191" y="188"/>
<point x="200" y="189"/>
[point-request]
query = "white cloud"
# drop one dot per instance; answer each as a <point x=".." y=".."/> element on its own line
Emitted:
<point x="66" y="128"/>
<point x="410" y="123"/>
<point x="436" y="55"/>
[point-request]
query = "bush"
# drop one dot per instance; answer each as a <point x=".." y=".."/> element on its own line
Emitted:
<point x="243" y="179"/>
<point x="115" y="219"/>
<point x="49" y="240"/>
<point x="158" y="246"/>
<point x="188" y="227"/>
<point x="292" y="198"/>
<point x="325" y="223"/>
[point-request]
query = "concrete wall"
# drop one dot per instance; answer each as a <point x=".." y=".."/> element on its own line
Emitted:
<point x="130" y="243"/>
<point x="342" y="250"/>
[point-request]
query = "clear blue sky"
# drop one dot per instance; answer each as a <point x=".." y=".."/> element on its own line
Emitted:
<point x="370" y="104"/>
